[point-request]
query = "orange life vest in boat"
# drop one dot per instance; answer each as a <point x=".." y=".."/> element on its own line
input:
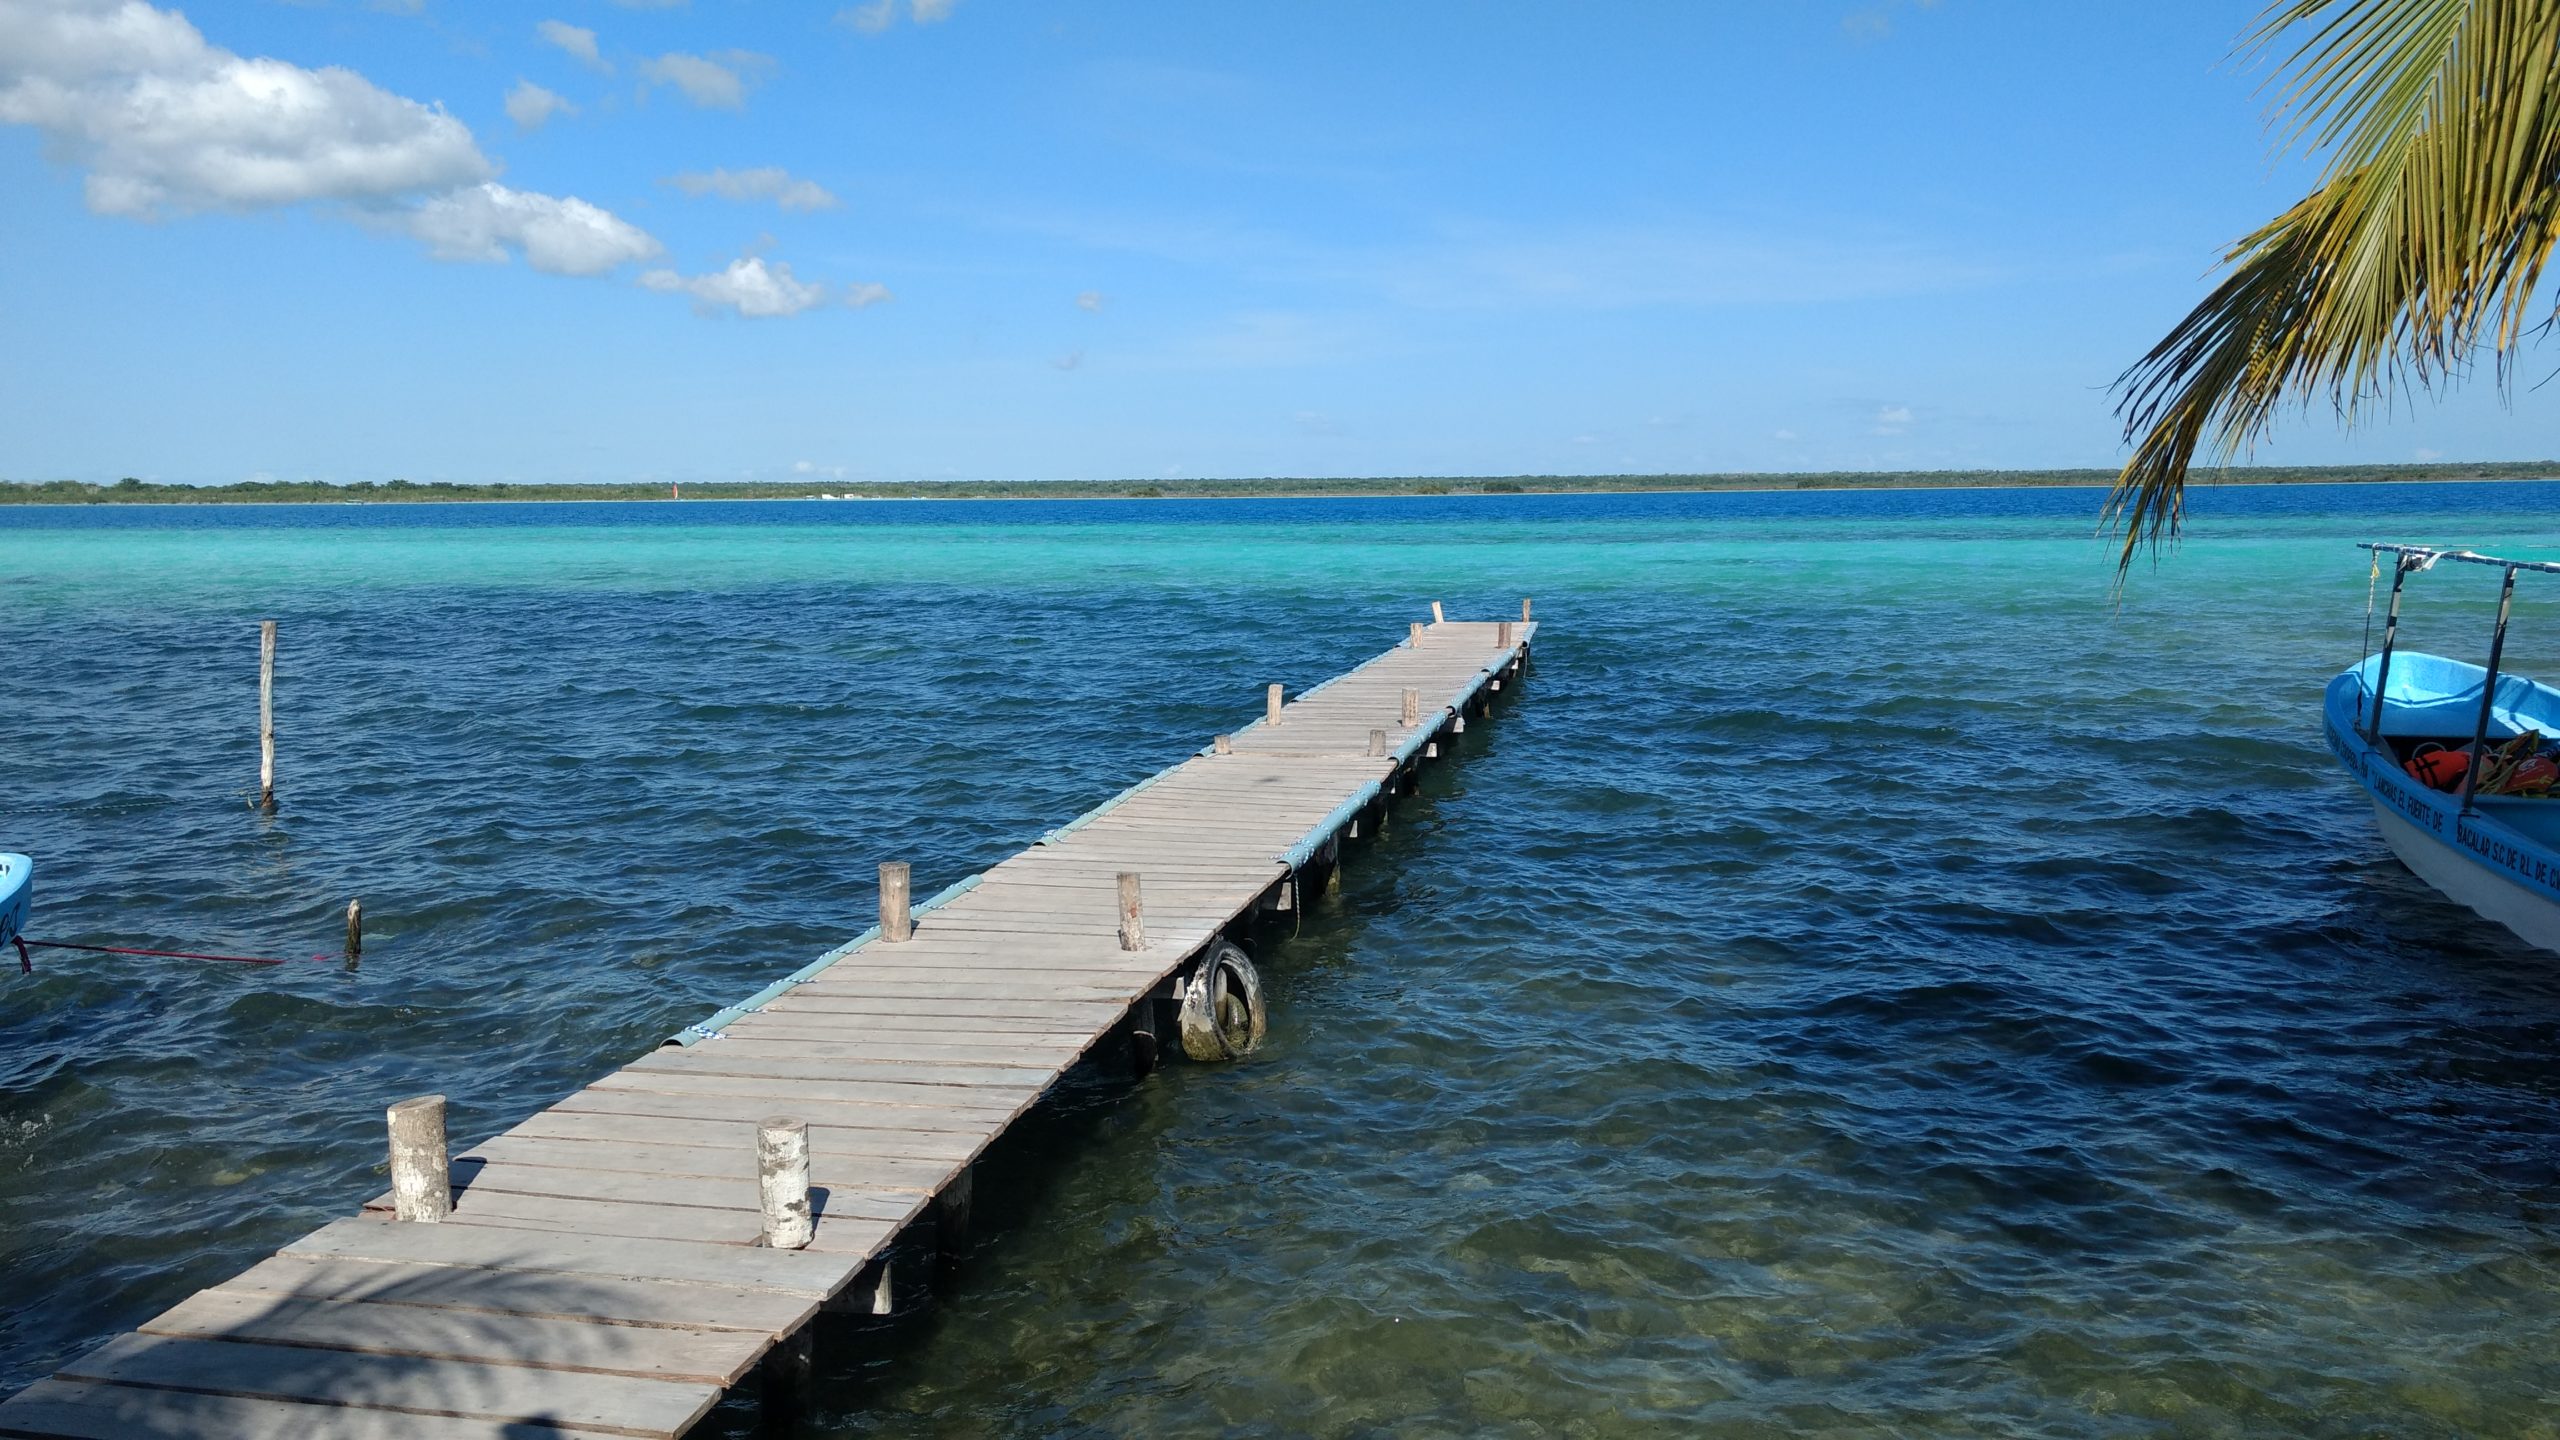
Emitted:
<point x="2440" y="769"/>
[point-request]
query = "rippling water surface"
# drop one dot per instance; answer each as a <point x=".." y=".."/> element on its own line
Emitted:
<point x="1870" y="982"/>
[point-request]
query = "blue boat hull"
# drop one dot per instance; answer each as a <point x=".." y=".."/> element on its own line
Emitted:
<point x="2503" y="859"/>
<point x="17" y="892"/>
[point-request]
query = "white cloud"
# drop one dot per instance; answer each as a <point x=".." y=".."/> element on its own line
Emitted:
<point x="165" y="121"/>
<point x="714" y="82"/>
<point x="1892" y="419"/>
<point x="565" y="236"/>
<point x="1090" y="301"/>
<point x="749" y="286"/>
<point x="865" y="294"/>
<point x="578" y="41"/>
<point x="870" y="19"/>
<point x="874" y="16"/>
<point x="531" y="106"/>
<point x="765" y="182"/>
<point x="168" y="123"/>
<point x="1782" y="434"/>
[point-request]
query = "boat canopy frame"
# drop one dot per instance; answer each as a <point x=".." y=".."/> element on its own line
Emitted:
<point x="2409" y="560"/>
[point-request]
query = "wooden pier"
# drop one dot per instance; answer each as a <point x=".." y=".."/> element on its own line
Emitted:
<point x="615" y="1263"/>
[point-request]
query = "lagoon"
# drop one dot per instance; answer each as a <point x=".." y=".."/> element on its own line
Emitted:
<point x="1876" y="980"/>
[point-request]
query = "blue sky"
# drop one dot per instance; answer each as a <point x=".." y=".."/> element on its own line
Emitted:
<point x="1086" y="239"/>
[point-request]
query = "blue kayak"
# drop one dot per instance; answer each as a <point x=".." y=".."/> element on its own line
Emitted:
<point x="17" y="892"/>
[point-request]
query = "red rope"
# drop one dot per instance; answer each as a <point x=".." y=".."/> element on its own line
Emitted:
<point x="25" y="966"/>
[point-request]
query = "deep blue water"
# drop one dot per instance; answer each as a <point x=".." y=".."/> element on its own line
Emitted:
<point x="1875" y="979"/>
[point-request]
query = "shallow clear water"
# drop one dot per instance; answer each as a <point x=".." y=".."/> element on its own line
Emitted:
<point x="1869" y="982"/>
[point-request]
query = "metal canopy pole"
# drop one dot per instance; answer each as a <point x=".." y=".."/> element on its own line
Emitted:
<point x="2390" y="632"/>
<point x="2488" y="688"/>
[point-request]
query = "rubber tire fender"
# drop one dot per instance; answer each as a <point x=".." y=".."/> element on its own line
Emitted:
<point x="1222" y="1012"/>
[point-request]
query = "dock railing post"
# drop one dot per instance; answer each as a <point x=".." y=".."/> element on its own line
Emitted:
<point x="1413" y="635"/>
<point x="1412" y="707"/>
<point x="421" y="1183"/>
<point x="1133" y="920"/>
<point x="1222" y="745"/>
<point x="1502" y="635"/>
<point x="1271" y="700"/>
<point x="266" y="714"/>
<point x="896" y="924"/>
<point x="1524" y="609"/>
<point x="1377" y="742"/>
<point x="782" y="1183"/>
<point x="1437" y="617"/>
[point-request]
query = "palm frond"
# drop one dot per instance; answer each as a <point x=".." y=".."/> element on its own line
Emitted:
<point x="2424" y="240"/>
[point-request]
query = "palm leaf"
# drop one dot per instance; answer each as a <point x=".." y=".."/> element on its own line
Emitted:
<point x="2421" y="245"/>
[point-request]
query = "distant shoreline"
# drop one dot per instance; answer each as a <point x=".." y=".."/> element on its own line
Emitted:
<point x="137" y="492"/>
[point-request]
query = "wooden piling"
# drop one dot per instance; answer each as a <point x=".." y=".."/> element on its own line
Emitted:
<point x="421" y="1182"/>
<point x="1377" y="742"/>
<point x="782" y="1183"/>
<point x="355" y="932"/>
<point x="266" y="714"/>
<point x="1271" y="705"/>
<point x="1437" y="618"/>
<point x="1413" y="635"/>
<point x="1502" y="635"/>
<point x="1524" y="609"/>
<point x="952" y="1209"/>
<point x="787" y="1383"/>
<point x="1222" y="745"/>
<point x="1133" y="920"/>
<point x="1412" y="706"/>
<point x="896" y="924"/>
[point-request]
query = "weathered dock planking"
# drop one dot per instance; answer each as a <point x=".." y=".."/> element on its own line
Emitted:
<point x="603" y="1267"/>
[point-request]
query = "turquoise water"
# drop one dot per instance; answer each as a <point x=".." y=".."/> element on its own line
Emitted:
<point x="1869" y="982"/>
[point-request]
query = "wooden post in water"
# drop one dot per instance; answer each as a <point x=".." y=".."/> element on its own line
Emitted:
<point x="1222" y="745"/>
<point x="782" y="1183"/>
<point x="896" y="924"/>
<point x="421" y="1183"/>
<point x="1436" y="616"/>
<point x="1271" y="705"/>
<point x="1133" y="920"/>
<point x="787" y="1383"/>
<point x="1377" y="742"/>
<point x="355" y="932"/>
<point x="1412" y="706"/>
<point x="266" y="714"/>
<point x="951" y="1214"/>
<point x="1524" y="609"/>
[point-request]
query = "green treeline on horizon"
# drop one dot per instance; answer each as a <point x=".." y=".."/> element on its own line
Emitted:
<point x="133" y="491"/>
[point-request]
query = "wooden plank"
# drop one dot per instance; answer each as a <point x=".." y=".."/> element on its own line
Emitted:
<point x="723" y="1162"/>
<point x="612" y="1256"/>
<point x="720" y="1061"/>
<point x="1070" y="1013"/>
<point x="835" y="1115"/>
<point x="698" y="1224"/>
<point x="1040" y="1053"/>
<point x="713" y="1058"/>
<point x="600" y="1404"/>
<point x="603" y="1300"/>
<point x="87" y="1410"/>
<point x="568" y="1182"/>
<point x="967" y="1100"/>
<point x="721" y="1133"/>
<point x="923" y="1029"/>
<point x="713" y="1357"/>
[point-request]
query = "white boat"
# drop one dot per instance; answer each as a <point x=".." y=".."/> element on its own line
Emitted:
<point x="2460" y="760"/>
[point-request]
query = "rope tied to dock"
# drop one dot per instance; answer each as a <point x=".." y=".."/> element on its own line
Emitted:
<point x="26" y="963"/>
